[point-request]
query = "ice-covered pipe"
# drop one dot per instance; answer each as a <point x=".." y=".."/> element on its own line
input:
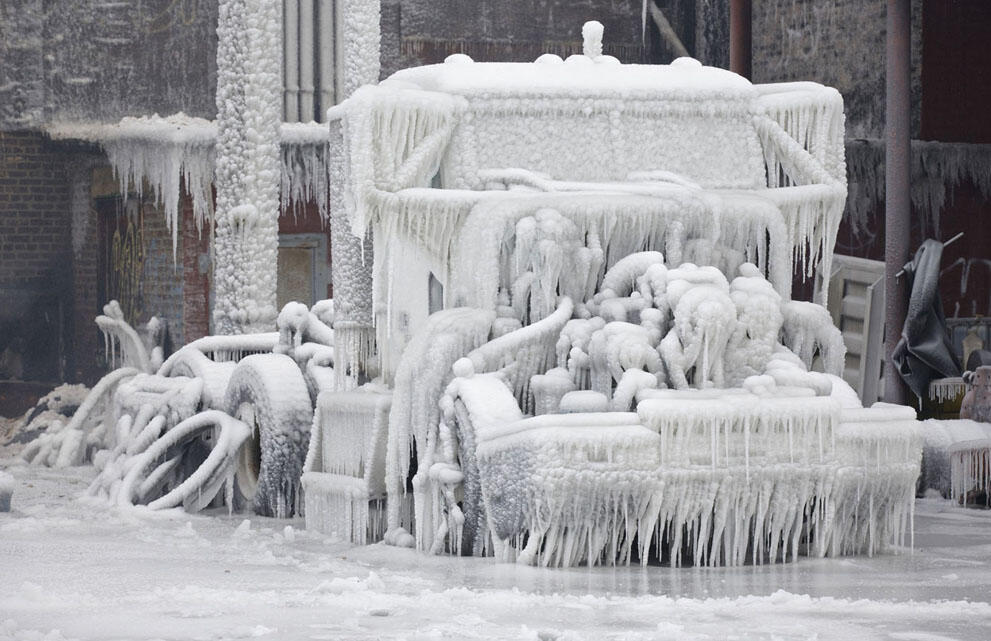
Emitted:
<point x="290" y="71"/>
<point x="307" y="56"/>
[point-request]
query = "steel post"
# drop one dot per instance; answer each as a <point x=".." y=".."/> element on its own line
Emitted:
<point x="740" y="38"/>
<point x="897" y="207"/>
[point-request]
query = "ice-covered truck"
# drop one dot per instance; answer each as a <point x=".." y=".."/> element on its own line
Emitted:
<point x="562" y="332"/>
<point x="568" y="285"/>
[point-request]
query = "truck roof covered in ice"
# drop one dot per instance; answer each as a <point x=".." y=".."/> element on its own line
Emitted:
<point x="578" y="76"/>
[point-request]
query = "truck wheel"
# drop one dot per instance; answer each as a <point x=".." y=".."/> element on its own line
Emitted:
<point x="268" y="393"/>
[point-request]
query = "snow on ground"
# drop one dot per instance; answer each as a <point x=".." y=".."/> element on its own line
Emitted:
<point x="78" y="569"/>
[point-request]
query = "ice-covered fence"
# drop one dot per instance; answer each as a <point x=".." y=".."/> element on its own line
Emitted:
<point x="344" y="472"/>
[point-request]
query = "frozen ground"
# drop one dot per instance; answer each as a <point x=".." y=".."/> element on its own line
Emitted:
<point x="81" y="570"/>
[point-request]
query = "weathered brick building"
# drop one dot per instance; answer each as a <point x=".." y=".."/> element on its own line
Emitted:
<point x="70" y="240"/>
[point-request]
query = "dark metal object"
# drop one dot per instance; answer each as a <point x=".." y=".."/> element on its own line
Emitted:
<point x="740" y="38"/>
<point x="925" y="351"/>
<point x="897" y="209"/>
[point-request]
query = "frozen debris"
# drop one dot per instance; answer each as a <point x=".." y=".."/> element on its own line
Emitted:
<point x="122" y="343"/>
<point x="73" y="442"/>
<point x="150" y="470"/>
<point x="57" y="405"/>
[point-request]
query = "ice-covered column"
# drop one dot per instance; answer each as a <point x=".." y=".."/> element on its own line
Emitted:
<point x="249" y="112"/>
<point x="359" y="36"/>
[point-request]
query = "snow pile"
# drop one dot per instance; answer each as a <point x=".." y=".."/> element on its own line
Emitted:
<point x="249" y="89"/>
<point x="57" y="405"/>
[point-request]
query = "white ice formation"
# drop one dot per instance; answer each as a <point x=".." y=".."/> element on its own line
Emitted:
<point x="180" y="433"/>
<point x="352" y="263"/>
<point x="249" y="109"/>
<point x="692" y="160"/>
<point x="580" y="399"/>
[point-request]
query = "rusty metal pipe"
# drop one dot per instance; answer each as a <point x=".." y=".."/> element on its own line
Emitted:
<point x="897" y="204"/>
<point x="740" y="38"/>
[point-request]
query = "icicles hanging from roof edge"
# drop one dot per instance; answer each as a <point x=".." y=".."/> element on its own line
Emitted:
<point x="304" y="153"/>
<point x="937" y="169"/>
<point x="395" y="139"/>
<point x="170" y="154"/>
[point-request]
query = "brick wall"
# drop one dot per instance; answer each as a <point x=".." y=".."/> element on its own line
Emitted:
<point x="196" y="270"/>
<point x="840" y="43"/>
<point x="34" y="257"/>
<point x="86" y="348"/>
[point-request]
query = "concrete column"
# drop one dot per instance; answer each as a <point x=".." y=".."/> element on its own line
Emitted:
<point x="897" y="207"/>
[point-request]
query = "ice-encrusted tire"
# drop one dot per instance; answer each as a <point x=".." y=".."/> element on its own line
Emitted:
<point x="268" y="393"/>
<point x="193" y="363"/>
